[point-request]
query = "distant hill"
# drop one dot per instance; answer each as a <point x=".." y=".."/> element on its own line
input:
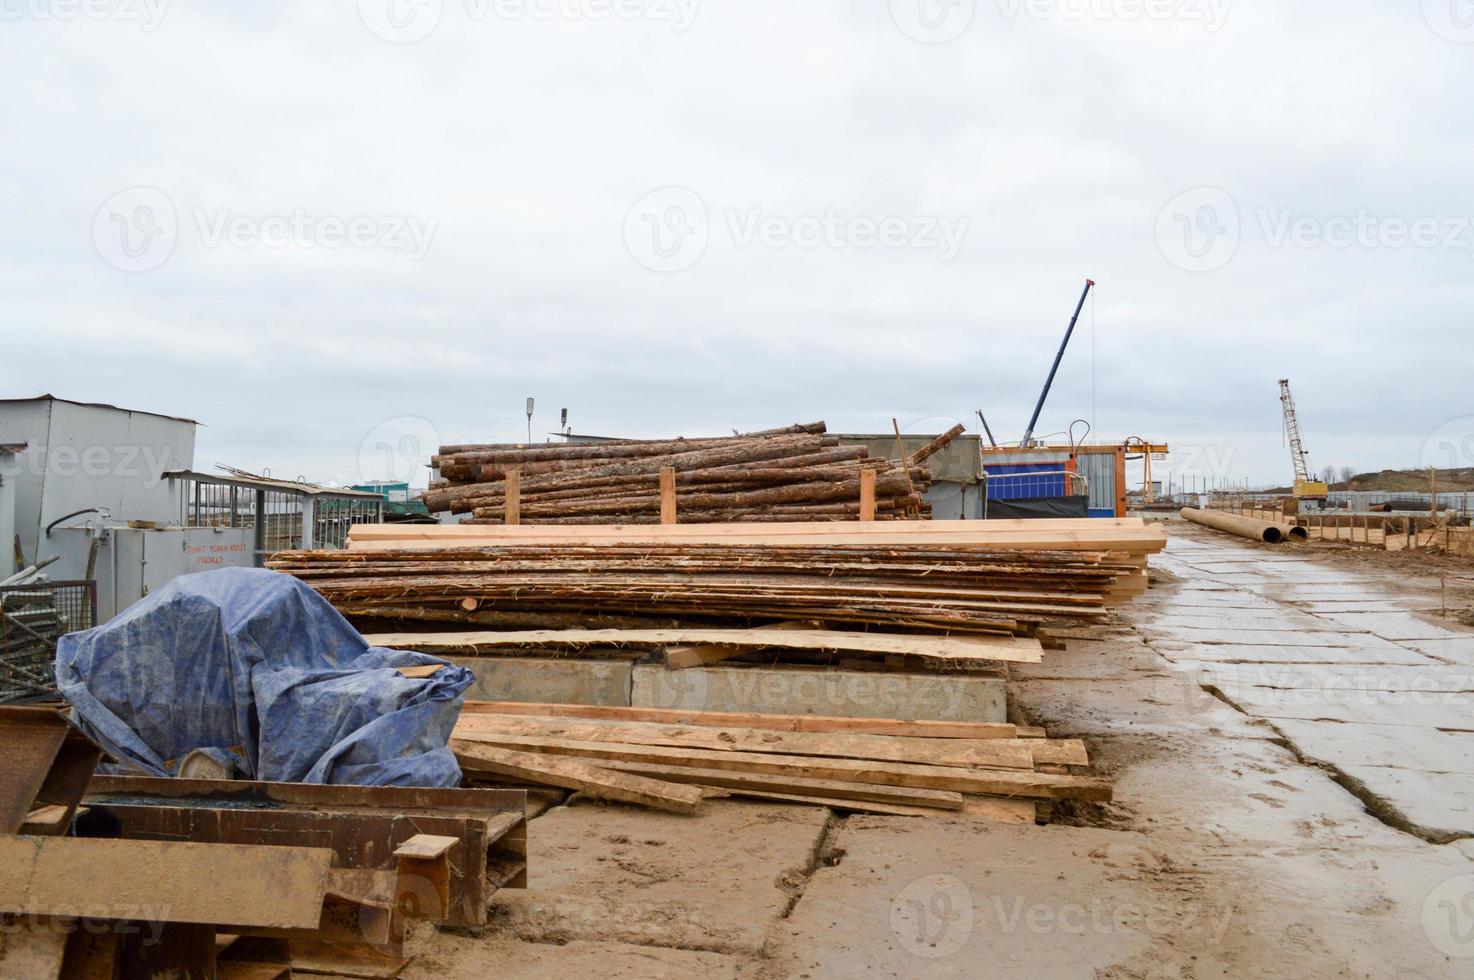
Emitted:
<point x="1403" y="481"/>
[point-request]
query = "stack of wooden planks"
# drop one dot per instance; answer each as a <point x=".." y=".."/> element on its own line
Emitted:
<point x="952" y="577"/>
<point x="791" y="474"/>
<point x="672" y="760"/>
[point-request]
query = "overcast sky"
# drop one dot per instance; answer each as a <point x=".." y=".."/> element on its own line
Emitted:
<point x="336" y="232"/>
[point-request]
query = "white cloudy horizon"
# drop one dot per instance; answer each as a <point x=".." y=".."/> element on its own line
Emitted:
<point x="326" y="229"/>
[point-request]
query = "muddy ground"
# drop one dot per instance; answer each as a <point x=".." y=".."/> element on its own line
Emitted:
<point x="1237" y="845"/>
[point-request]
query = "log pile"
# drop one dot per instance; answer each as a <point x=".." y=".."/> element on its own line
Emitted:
<point x="672" y="760"/>
<point x="792" y="474"/>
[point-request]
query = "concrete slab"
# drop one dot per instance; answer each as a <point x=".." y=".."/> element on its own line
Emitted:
<point x="1275" y="704"/>
<point x="714" y="881"/>
<point x="1302" y="638"/>
<point x="1402" y="687"/>
<point x="1396" y="626"/>
<point x="1386" y="746"/>
<point x="1459" y="649"/>
<point x="1164" y="642"/>
<point x="447" y="956"/>
<point x="1438" y="806"/>
<point x="550" y="681"/>
<point x="1279" y="620"/>
<point x="795" y="690"/>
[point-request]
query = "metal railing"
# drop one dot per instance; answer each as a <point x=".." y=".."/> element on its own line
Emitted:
<point x="32" y="618"/>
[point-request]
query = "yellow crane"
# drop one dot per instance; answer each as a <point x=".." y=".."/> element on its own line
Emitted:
<point x="1306" y="488"/>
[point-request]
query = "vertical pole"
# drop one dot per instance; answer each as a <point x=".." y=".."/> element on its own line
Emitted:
<point x="867" y="495"/>
<point x="258" y="546"/>
<point x="309" y="522"/>
<point x="512" y="505"/>
<point x="667" y="495"/>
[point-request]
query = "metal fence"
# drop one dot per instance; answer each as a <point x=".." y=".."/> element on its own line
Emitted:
<point x="32" y="618"/>
<point x="279" y="514"/>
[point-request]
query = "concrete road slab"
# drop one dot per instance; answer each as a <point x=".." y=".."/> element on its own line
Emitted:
<point x="1235" y="653"/>
<point x="713" y="881"/>
<point x="1279" y="620"/>
<point x="1435" y="805"/>
<point x="1395" y="625"/>
<point x="1300" y="638"/>
<point x="1387" y="746"/>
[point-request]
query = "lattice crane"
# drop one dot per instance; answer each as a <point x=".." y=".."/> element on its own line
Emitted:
<point x="1306" y="487"/>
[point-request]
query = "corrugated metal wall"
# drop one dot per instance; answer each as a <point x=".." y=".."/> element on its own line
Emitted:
<point x="1099" y="470"/>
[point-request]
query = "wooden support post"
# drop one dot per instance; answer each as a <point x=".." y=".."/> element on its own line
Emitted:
<point x="667" y="495"/>
<point x="512" y="509"/>
<point x="867" y="495"/>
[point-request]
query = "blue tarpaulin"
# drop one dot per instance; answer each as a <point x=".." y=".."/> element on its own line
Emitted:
<point x="258" y="669"/>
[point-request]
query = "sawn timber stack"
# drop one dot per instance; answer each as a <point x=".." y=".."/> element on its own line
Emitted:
<point x="795" y="473"/>
<point x="969" y="577"/>
<point x="673" y="760"/>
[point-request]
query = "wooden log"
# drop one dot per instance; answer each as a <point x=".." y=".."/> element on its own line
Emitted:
<point x="937" y="444"/>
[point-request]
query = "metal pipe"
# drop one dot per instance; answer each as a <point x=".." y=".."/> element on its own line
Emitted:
<point x="1049" y="381"/>
<point x="1245" y="527"/>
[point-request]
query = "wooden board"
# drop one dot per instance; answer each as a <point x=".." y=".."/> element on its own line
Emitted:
<point x="816" y="788"/>
<point x="777" y="723"/>
<point x="578" y="775"/>
<point x="955" y="649"/>
<point x="1130" y="535"/>
<point x="993" y="782"/>
<point x="249" y="885"/>
<point x="993" y="753"/>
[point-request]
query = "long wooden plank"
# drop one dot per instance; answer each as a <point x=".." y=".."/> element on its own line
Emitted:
<point x="818" y="788"/>
<point x="1129" y="535"/>
<point x="253" y="885"/>
<point x="993" y="753"/>
<point x="991" y="782"/>
<point x="955" y="649"/>
<point x="576" y="774"/>
<point x="778" y="723"/>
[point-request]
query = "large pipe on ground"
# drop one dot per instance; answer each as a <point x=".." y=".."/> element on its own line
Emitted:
<point x="1245" y="527"/>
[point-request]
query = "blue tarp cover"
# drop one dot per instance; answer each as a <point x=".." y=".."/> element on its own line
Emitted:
<point x="258" y="669"/>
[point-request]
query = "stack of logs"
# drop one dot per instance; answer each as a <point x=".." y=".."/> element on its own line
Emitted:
<point x="791" y="474"/>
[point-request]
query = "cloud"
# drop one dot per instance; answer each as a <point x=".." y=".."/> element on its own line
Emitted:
<point x="1058" y="136"/>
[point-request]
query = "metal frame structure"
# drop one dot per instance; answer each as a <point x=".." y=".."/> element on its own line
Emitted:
<point x="286" y="515"/>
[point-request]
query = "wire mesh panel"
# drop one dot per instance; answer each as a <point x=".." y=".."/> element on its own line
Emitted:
<point x="32" y="619"/>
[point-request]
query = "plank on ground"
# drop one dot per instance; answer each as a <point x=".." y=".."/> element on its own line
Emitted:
<point x="835" y="790"/>
<point x="1017" y="753"/>
<point x="990" y="782"/>
<point x="781" y="723"/>
<point x="577" y="774"/>
<point x="1003" y="649"/>
<point x="993" y="753"/>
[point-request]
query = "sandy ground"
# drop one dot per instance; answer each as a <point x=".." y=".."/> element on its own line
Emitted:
<point x="1237" y="844"/>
